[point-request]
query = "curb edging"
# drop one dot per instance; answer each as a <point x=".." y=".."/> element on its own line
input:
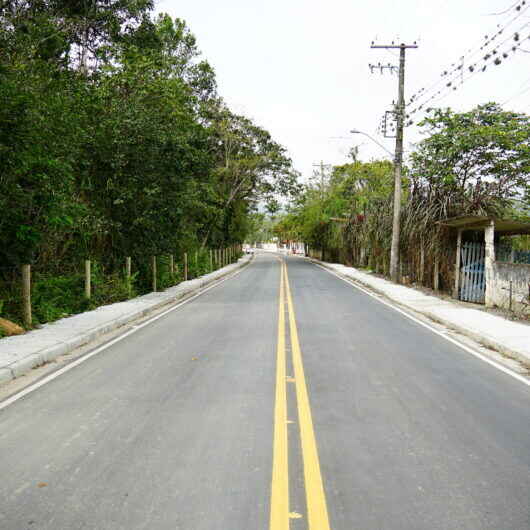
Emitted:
<point x="180" y="293"/>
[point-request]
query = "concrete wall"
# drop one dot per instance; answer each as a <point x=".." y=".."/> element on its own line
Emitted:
<point x="519" y="275"/>
<point x="489" y="263"/>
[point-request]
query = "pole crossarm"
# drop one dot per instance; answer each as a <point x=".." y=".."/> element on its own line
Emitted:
<point x="398" y="46"/>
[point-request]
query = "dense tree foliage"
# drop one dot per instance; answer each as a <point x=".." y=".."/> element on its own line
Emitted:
<point x="476" y="162"/>
<point x="114" y="141"/>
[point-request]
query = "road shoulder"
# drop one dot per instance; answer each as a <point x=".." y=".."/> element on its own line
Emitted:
<point x="23" y="353"/>
<point x="500" y="339"/>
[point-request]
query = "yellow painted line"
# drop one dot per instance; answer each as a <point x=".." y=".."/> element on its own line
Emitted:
<point x="317" y="512"/>
<point x="279" y="518"/>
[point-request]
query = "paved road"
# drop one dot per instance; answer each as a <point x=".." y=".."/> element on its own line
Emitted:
<point x="281" y="399"/>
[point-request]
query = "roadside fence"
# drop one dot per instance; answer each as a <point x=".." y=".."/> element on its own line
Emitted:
<point x="27" y="290"/>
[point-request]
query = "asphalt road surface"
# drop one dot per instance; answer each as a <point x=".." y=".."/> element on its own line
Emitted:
<point x="281" y="399"/>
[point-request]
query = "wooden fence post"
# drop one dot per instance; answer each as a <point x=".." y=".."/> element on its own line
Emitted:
<point x="128" y="275"/>
<point x="185" y="266"/>
<point x="211" y="260"/>
<point x="26" y="295"/>
<point x="88" y="283"/>
<point x="153" y="267"/>
<point x="172" y="267"/>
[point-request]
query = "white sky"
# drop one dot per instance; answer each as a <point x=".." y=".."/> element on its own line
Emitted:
<point x="299" y="68"/>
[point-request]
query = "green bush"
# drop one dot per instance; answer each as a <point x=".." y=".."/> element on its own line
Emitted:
<point x="57" y="297"/>
<point x="111" y="288"/>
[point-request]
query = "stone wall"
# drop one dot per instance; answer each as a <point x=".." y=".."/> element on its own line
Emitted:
<point x="519" y="275"/>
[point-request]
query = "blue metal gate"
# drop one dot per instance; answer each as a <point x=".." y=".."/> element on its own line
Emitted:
<point x="472" y="276"/>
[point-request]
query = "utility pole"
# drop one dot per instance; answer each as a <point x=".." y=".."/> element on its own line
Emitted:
<point x="322" y="177"/>
<point x="398" y="155"/>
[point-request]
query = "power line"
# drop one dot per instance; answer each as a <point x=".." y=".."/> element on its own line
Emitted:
<point x="469" y="54"/>
<point x="492" y="57"/>
<point x="519" y="93"/>
<point x="467" y="57"/>
<point x="502" y="12"/>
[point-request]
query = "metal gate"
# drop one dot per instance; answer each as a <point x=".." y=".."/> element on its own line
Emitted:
<point x="472" y="277"/>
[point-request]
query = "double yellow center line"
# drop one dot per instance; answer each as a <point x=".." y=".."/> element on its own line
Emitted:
<point x="317" y="513"/>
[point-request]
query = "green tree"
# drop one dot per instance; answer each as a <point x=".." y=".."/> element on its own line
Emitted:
<point x="476" y="161"/>
<point x="114" y="142"/>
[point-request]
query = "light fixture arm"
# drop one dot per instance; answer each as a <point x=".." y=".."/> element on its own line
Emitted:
<point x="355" y="131"/>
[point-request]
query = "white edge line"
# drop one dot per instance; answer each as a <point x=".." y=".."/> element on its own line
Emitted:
<point x="18" y="395"/>
<point x="431" y="328"/>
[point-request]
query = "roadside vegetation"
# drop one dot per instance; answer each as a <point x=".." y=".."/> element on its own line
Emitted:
<point x="114" y="142"/>
<point x="471" y="163"/>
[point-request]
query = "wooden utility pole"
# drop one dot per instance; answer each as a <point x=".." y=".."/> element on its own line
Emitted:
<point x="322" y="183"/>
<point x="398" y="156"/>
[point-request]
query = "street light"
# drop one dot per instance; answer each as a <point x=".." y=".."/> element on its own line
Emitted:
<point x="355" y="131"/>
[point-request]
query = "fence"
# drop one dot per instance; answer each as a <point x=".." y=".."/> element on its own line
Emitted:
<point x="87" y="288"/>
<point x="509" y="255"/>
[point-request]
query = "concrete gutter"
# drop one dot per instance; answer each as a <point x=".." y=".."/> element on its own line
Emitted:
<point x="19" y="354"/>
<point x="512" y="339"/>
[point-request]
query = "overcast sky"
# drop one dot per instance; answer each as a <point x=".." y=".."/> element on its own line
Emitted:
<point x="299" y="68"/>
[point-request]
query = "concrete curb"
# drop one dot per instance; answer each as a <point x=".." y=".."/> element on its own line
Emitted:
<point x="477" y="337"/>
<point x="149" y="303"/>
